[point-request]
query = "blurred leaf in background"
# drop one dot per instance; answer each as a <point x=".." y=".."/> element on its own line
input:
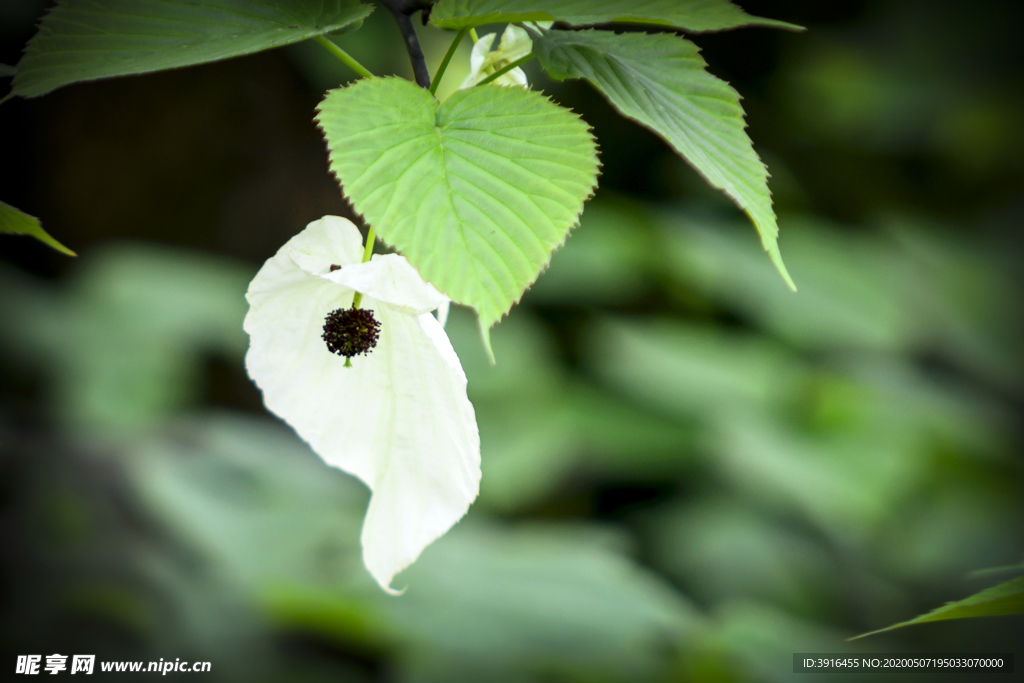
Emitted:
<point x="129" y="339"/>
<point x="809" y="468"/>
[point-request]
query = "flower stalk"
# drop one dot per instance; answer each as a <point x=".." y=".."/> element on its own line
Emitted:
<point x="505" y="69"/>
<point x="371" y="236"/>
<point x="447" y="58"/>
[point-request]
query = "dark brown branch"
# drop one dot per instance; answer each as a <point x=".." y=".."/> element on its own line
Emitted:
<point x="401" y="9"/>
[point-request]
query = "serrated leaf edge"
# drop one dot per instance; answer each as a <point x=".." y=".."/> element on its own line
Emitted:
<point x="770" y="247"/>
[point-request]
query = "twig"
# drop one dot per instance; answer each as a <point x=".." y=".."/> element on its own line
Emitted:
<point x="401" y="9"/>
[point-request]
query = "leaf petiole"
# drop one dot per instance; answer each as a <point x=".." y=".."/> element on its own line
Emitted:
<point x="447" y="58"/>
<point x="344" y="56"/>
<point x="505" y="69"/>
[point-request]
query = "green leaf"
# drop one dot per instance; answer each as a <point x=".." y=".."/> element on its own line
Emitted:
<point x="1006" y="598"/>
<point x="989" y="571"/>
<point x="851" y="283"/>
<point x="144" y="320"/>
<point x="693" y="15"/>
<point x="15" y="222"/>
<point x="518" y="600"/>
<point x="238" y="486"/>
<point x="477" y="191"/>
<point x="82" y="40"/>
<point x="7" y="70"/>
<point x="660" y="82"/>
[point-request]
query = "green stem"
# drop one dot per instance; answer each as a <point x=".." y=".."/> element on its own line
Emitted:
<point x="371" y="236"/>
<point x="474" y="36"/>
<point x="505" y="69"/>
<point x="447" y="58"/>
<point x="344" y="56"/>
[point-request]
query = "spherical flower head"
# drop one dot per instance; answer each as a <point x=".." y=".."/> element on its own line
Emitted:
<point x="515" y="44"/>
<point x="398" y="418"/>
<point x="351" y="331"/>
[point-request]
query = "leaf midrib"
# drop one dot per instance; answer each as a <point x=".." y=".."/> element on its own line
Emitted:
<point x="462" y="223"/>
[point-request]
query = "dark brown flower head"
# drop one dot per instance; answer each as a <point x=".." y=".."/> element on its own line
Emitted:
<point x="351" y="331"/>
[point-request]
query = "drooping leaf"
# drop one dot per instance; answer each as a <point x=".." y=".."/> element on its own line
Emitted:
<point x="15" y="222"/>
<point x="83" y="40"/>
<point x="660" y="81"/>
<point x="693" y="15"/>
<point x="477" y="191"/>
<point x="1006" y="598"/>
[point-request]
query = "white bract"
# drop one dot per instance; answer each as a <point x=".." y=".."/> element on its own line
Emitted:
<point x="398" y="418"/>
<point x="515" y="44"/>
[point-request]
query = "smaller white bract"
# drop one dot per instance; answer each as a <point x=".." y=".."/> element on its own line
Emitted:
<point x="515" y="44"/>
<point x="398" y="418"/>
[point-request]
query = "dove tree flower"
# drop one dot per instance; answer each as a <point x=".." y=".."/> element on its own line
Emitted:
<point x="348" y="353"/>
<point x="483" y="61"/>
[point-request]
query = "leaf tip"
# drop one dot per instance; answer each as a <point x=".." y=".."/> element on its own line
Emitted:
<point x="865" y="635"/>
<point x="795" y="28"/>
<point x="485" y="338"/>
<point x="781" y="267"/>
<point x="14" y="221"/>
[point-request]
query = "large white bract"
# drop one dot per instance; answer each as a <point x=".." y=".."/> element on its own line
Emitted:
<point x="399" y="418"/>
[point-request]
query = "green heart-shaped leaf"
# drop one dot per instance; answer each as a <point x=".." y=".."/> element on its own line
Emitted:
<point x="476" y="192"/>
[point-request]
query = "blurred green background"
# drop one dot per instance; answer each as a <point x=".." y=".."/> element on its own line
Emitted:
<point x="689" y="473"/>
